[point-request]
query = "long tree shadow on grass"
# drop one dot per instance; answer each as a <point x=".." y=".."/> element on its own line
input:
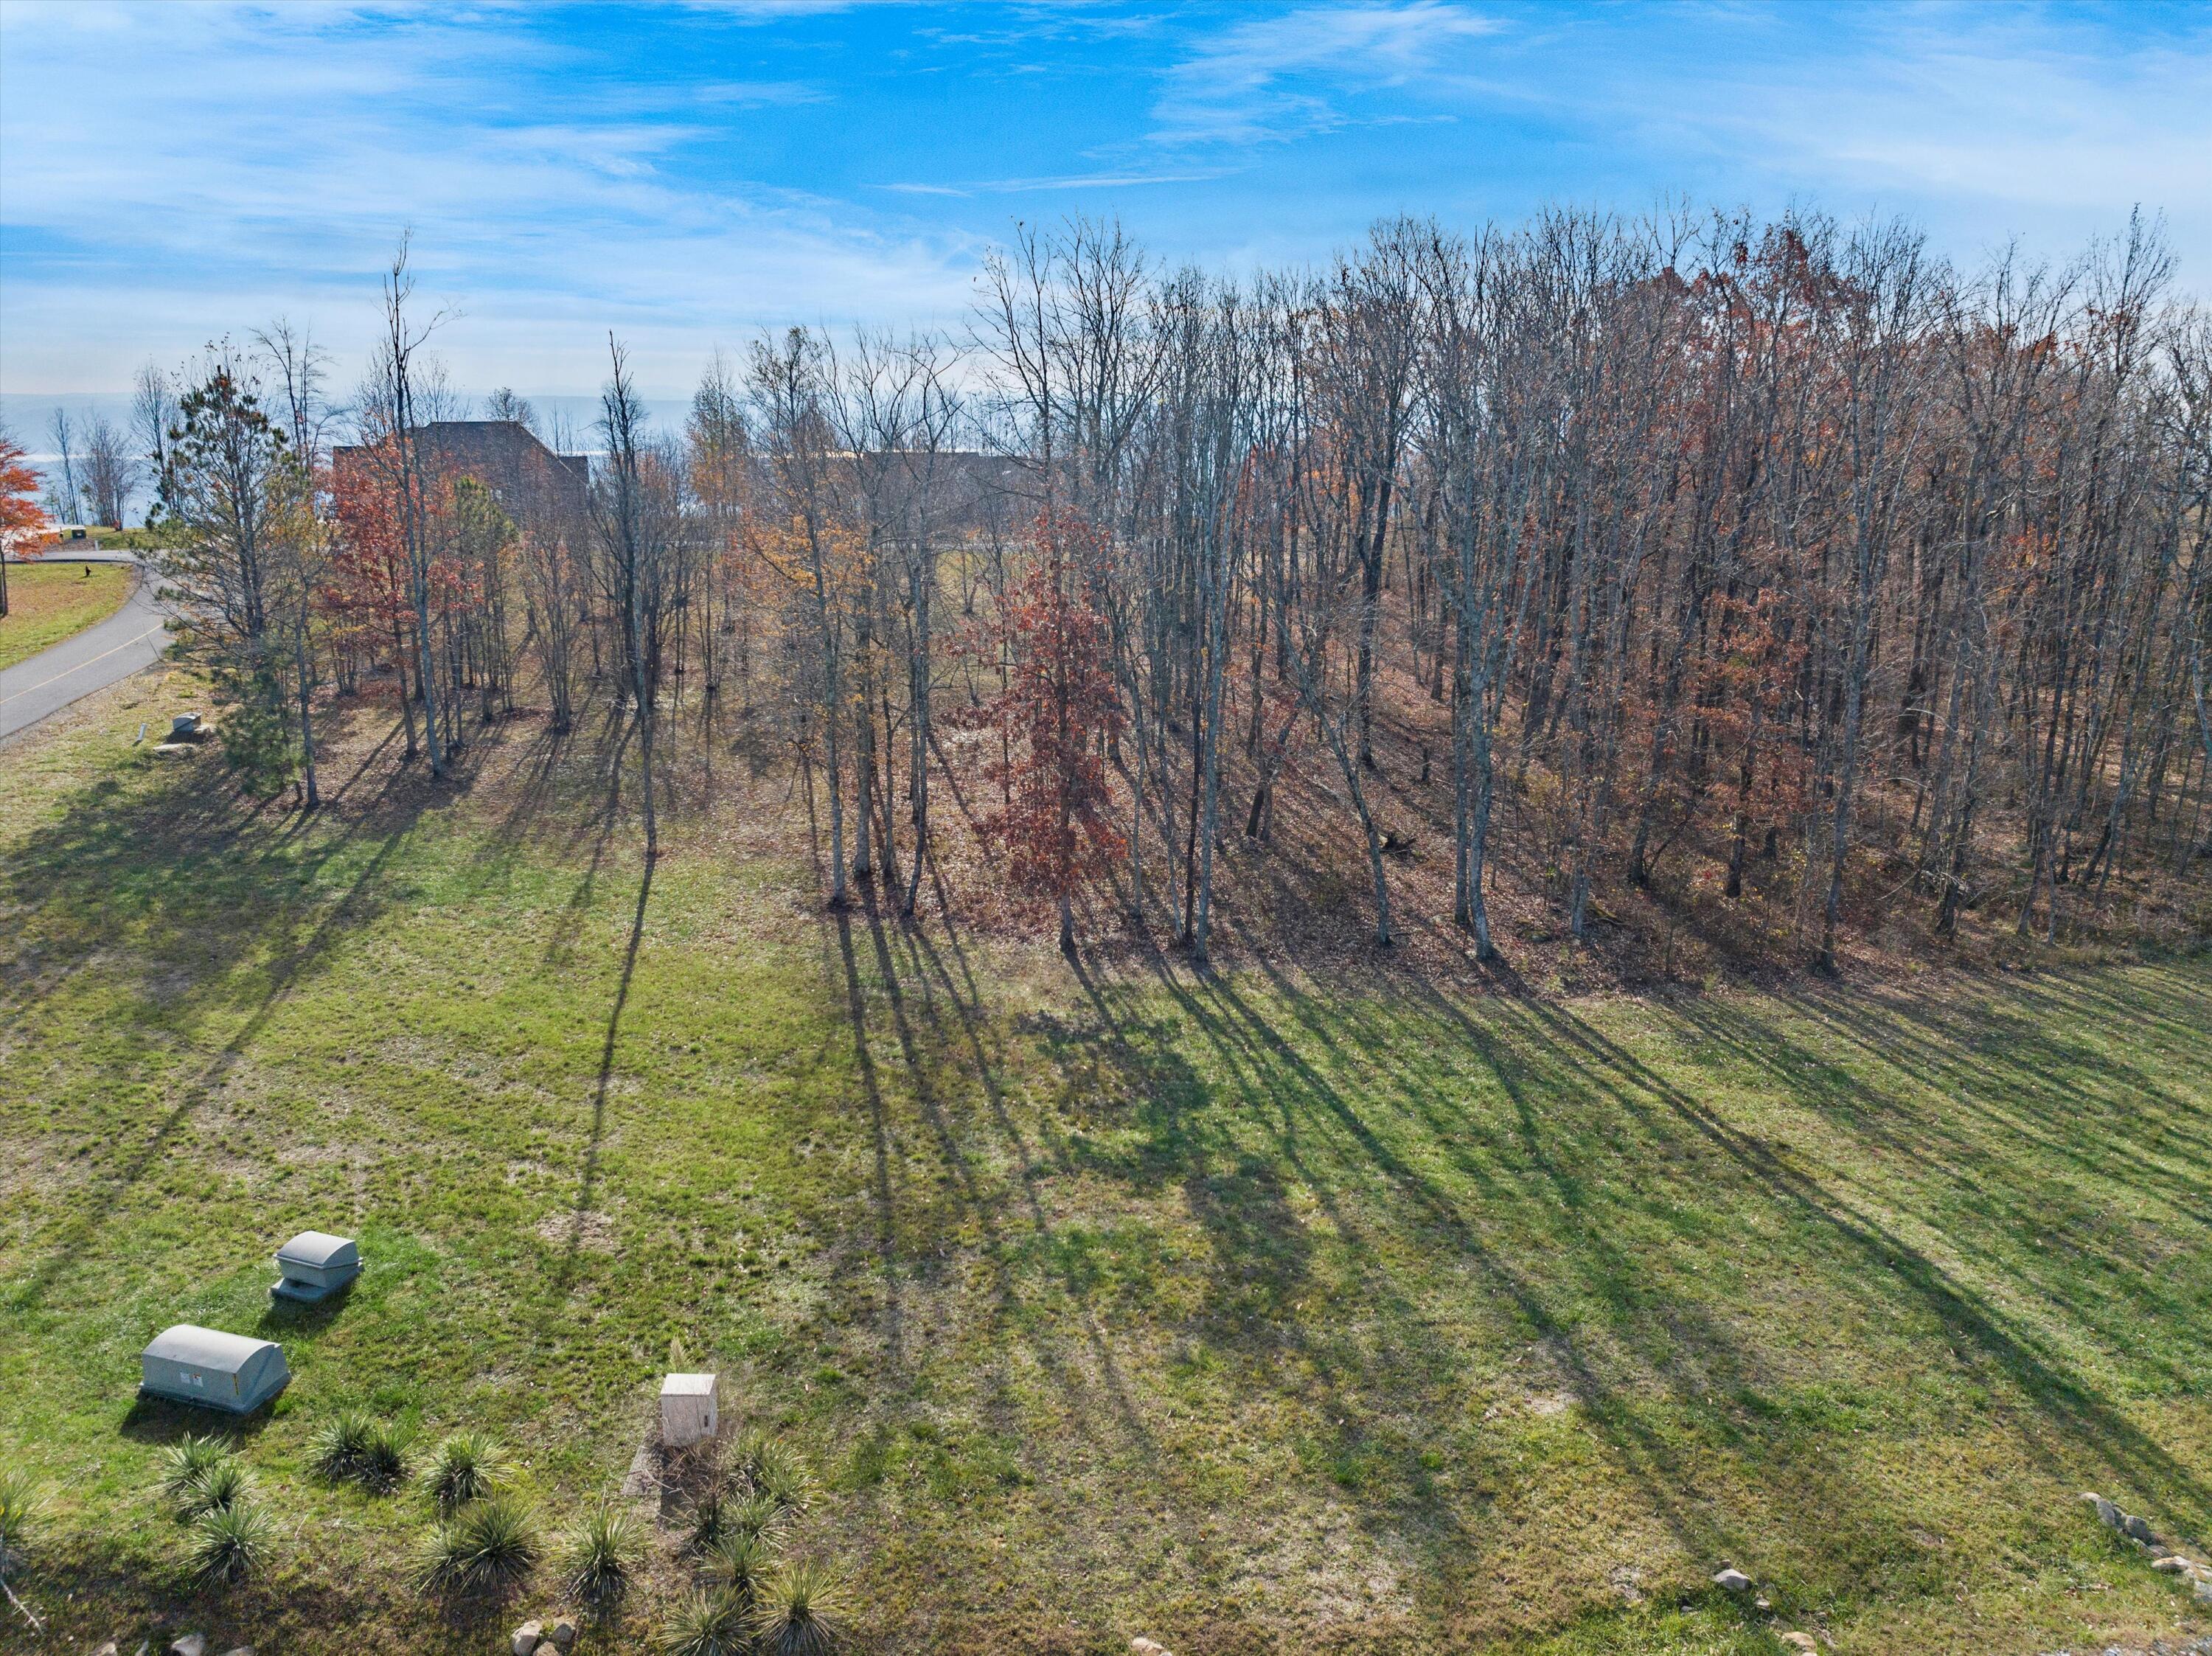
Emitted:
<point x="2073" y="1428"/>
<point x="209" y="912"/>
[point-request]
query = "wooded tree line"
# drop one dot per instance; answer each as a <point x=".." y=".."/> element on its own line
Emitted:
<point x="1779" y="556"/>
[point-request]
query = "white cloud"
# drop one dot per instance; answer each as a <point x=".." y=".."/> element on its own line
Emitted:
<point x="1252" y="81"/>
<point x="249" y="161"/>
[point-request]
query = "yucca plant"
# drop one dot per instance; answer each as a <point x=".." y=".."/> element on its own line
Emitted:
<point x="799" y="1612"/>
<point x="775" y="1471"/>
<point x="183" y="1461"/>
<point x="230" y="1543"/>
<point x="488" y="1546"/>
<point x="22" y="1504"/>
<point x="336" y="1448"/>
<point x="741" y="1559"/>
<point x="465" y="1468"/>
<point x="712" y="1510"/>
<point x="382" y="1464"/>
<point x="760" y="1515"/>
<point x="213" y="1488"/>
<point x="714" y="1623"/>
<point x="600" y="1553"/>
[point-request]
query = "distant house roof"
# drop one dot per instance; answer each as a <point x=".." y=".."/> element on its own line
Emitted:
<point x="507" y="458"/>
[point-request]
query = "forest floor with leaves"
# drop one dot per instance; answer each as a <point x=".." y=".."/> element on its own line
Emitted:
<point x="1341" y="1301"/>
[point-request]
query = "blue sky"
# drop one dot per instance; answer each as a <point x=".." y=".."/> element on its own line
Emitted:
<point x="686" y="175"/>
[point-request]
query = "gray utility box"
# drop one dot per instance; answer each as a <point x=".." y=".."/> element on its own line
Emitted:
<point x="315" y="1263"/>
<point x="214" y="1369"/>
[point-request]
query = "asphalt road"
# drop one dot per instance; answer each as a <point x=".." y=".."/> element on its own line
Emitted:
<point x="128" y="641"/>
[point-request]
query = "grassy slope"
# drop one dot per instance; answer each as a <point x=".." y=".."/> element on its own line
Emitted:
<point x="1253" y="1314"/>
<point x="48" y="603"/>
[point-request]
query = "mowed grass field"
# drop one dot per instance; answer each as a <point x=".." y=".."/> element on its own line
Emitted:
<point x="50" y="601"/>
<point x="1251" y="1314"/>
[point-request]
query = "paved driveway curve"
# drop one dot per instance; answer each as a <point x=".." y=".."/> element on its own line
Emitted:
<point x="128" y="641"/>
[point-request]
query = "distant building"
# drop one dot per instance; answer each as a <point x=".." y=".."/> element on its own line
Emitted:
<point x="531" y="483"/>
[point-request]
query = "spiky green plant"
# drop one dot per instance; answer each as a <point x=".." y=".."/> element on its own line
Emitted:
<point x="759" y="1514"/>
<point x="183" y="1461"/>
<point x="486" y="1547"/>
<point x="774" y="1469"/>
<point x="741" y="1559"/>
<point x="213" y="1488"/>
<point x="799" y="1612"/>
<point x="230" y="1543"/>
<point x="382" y="1465"/>
<point x="601" y="1550"/>
<point x="711" y="1510"/>
<point x="22" y="1504"/>
<point x="714" y="1623"/>
<point x="465" y="1468"/>
<point x="336" y="1448"/>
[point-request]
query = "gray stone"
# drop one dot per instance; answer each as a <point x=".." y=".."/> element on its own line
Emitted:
<point x="108" y="1649"/>
<point x="2204" y="1590"/>
<point x="192" y="1644"/>
<point x="527" y="1637"/>
<point x="562" y="1635"/>
<point x="2172" y="1564"/>
<point x="1733" y="1580"/>
<point x="176" y="751"/>
<point x="2108" y="1514"/>
<point x="2139" y="1528"/>
<point x="1800" y="1642"/>
<point x="1147" y="1647"/>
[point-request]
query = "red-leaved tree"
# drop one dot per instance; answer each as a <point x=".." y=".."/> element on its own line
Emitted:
<point x="1058" y="712"/>
<point x="22" y="521"/>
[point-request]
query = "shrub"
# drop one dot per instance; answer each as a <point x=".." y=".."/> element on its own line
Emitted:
<point x="337" y="1446"/>
<point x="483" y="1547"/>
<point x="230" y="1543"/>
<point x="183" y="1461"/>
<point x="714" y="1623"/>
<point x="465" y="1468"/>
<point x="213" y="1488"/>
<point x="383" y="1461"/>
<point x="800" y="1613"/>
<point x="599" y="1554"/>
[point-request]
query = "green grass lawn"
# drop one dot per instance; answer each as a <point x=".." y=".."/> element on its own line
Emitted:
<point x="1253" y="1314"/>
<point x="50" y="601"/>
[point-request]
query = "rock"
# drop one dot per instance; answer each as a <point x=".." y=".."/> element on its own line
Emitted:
<point x="192" y="1644"/>
<point x="2108" y="1514"/>
<point x="176" y="751"/>
<point x="2139" y="1528"/>
<point x="1733" y="1580"/>
<point x="1147" y="1647"/>
<point x="527" y="1638"/>
<point x="1800" y="1642"/>
<point x="1761" y="1603"/>
<point x="108" y="1649"/>
<point x="562" y="1635"/>
<point x="2205" y="1589"/>
<point x="2172" y="1564"/>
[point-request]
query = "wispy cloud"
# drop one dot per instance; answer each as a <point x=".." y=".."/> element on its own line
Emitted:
<point x="1275" y="78"/>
